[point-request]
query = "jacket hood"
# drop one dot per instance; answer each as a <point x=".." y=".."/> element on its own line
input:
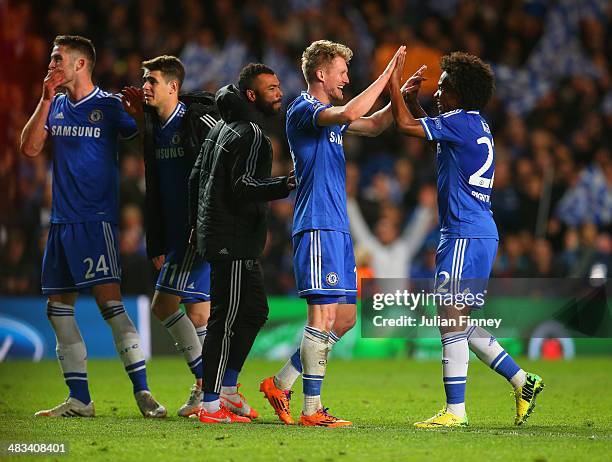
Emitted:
<point x="233" y="106"/>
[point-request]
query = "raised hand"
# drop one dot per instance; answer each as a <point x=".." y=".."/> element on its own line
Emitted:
<point x="411" y="87"/>
<point x="54" y="79"/>
<point x="132" y="99"/>
<point x="398" y="70"/>
<point x="393" y="63"/>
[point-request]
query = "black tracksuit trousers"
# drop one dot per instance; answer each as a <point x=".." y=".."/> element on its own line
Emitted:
<point x="239" y="309"/>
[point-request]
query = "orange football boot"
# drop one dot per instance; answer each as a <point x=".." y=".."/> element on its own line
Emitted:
<point x="278" y="399"/>
<point x="221" y="416"/>
<point x="237" y="404"/>
<point x="322" y="419"/>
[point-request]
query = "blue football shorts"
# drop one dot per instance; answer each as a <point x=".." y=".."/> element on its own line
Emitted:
<point x="185" y="273"/>
<point x="324" y="265"/>
<point x="463" y="265"/>
<point x="80" y="255"/>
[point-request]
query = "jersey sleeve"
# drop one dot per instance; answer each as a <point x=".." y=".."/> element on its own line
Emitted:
<point x="447" y="127"/>
<point x="306" y="113"/>
<point x="126" y="125"/>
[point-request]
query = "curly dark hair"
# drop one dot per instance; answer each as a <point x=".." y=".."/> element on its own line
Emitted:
<point x="471" y="78"/>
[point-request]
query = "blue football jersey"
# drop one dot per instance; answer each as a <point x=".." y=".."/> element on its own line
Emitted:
<point x="85" y="166"/>
<point x="466" y="165"/>
<point x="174" y="170"/>
<point x="318" y="158"/>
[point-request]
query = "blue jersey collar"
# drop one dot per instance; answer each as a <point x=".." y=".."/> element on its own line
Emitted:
<point x="312" y="99"/>
<point x="173" y="115"/>
<point x="84" y="98"/>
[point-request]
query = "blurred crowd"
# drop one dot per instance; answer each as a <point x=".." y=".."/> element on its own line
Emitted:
<point x="551" y="119"/>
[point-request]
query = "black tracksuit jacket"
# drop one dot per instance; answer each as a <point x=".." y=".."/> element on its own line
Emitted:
<point x="230" y="183"/>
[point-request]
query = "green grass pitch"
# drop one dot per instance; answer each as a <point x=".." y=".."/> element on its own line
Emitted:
<point x="572" y="421"/>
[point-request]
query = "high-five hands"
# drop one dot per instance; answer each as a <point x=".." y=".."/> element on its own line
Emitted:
<point x="411" y="87"/>
<point x="387" y="73"/>
<point x="398" y="70"/>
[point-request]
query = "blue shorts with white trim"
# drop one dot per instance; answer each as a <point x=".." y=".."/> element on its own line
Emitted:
<point x="464" y="265"/>
<point x="324" y="264"/>
<point x="186" y="274"/>
<point x="80" y="255"/>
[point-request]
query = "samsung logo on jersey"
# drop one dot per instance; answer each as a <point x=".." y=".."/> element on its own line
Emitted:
<point x="75" y="130"/>
<point x="335" y="138"/>
<point x="169" y="153"/>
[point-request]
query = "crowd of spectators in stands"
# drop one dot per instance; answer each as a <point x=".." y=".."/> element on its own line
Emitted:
<point x="551" y="119"/>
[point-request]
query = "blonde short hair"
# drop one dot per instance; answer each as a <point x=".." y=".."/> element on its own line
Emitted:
<point x="320" y="53"/>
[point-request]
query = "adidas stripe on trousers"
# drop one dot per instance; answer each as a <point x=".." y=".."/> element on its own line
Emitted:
<point x="239" y="309"/>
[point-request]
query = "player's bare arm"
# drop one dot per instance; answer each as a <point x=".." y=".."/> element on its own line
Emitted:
<point x="34" y="135"/>
<point x="378" y="122"/>
<point x="404" y="120"/>
<point x="362" y="103"/>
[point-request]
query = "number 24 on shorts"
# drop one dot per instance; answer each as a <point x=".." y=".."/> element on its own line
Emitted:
<point x="101" y="267"/>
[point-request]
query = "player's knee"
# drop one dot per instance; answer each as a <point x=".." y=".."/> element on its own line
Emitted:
<point x="62" y="299"/>
<point x="198" y="318"/>
<point x="343" y="325"/>
<point x="161" y="311"/>
<point x="155" y="309"/>
<point x="198" y="313"/>
<point x="105" y="293"/>
<point x="317" y="320"/>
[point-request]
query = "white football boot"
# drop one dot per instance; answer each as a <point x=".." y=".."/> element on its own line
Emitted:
<point x="193" y="404"/>
<point x="148" y="406"/>
<point x="72" y="407"/>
